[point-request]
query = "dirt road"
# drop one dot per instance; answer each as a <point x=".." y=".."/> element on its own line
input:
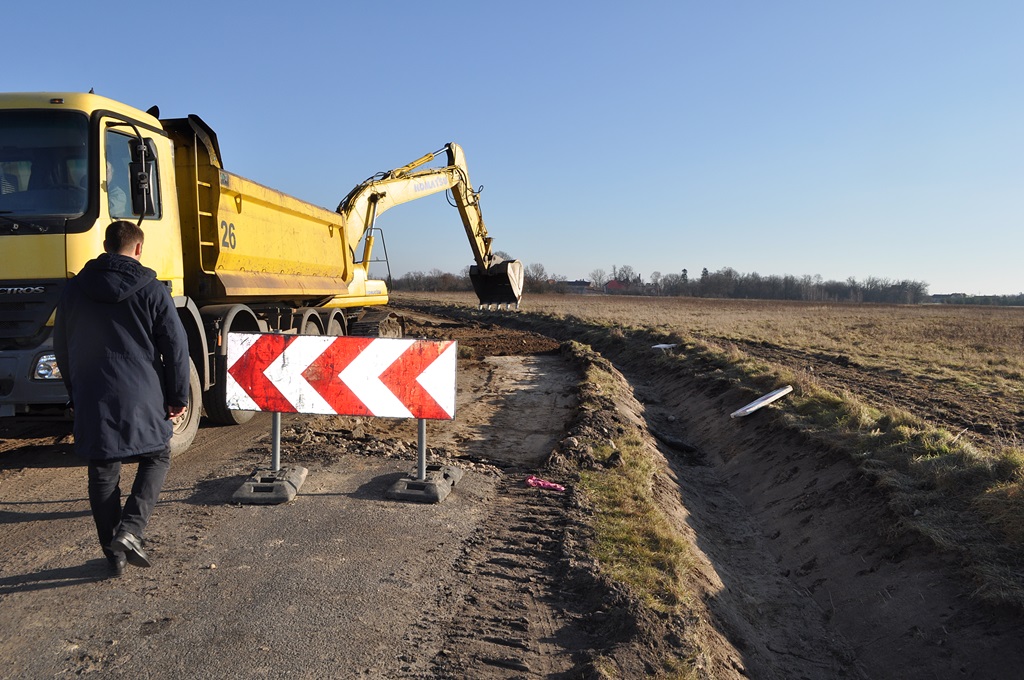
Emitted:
<point x="338" y="583"/>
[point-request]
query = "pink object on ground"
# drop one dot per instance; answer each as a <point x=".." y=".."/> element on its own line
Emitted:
<point x="543" y="483"/>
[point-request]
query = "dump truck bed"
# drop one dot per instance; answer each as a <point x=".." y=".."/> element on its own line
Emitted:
<point x="243" y="240"/>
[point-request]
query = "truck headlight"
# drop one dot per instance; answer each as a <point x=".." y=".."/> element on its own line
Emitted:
<point x="46" y="368"/>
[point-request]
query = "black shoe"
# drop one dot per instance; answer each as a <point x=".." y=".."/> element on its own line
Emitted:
<point x="115" y="563"/>
<point x="130" y="546"/>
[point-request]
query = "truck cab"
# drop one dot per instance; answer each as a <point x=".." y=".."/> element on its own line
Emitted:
<point x="69" y="165"/>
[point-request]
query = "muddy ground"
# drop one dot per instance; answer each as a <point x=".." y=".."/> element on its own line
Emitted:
<point x="795" y="572"/>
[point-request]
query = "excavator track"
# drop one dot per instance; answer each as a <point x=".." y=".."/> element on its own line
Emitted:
<point x="378" y="323"/>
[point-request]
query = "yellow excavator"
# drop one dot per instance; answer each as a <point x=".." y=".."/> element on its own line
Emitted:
<point x="496" y="281"/>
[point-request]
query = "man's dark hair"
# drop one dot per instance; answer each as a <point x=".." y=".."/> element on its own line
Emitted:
<point x="121" y="235"/>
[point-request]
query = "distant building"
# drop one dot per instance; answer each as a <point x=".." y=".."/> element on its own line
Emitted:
<point x="580" y="287"/>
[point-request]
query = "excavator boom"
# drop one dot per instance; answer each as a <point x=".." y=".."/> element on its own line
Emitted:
<point x="495" y="281"/>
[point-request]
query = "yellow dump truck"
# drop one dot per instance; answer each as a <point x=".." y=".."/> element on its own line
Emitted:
<point x="236" y="255"/>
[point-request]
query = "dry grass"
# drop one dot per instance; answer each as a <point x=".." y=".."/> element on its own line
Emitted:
<point x="981" y="348"/>
<point x="634" y="540"/>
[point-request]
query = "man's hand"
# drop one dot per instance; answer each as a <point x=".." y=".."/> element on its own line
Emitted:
<point x="175" y="412"/>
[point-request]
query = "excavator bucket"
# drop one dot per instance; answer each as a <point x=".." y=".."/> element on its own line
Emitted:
<point x="499" y="284"/>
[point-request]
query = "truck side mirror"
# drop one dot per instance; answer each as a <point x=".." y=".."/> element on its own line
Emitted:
<point x="142" y="195"/>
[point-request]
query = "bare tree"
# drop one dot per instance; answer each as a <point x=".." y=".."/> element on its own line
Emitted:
<point x="536" y="272"/>
<point x="598" y="278"/>
<point x="536" y="277"/>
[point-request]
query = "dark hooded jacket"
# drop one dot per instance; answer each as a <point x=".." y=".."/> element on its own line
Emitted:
<point x="123" y="355"/>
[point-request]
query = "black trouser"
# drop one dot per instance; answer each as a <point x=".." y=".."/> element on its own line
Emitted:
<point x="105" y="494"/>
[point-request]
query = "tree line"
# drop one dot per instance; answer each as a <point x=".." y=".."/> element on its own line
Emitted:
<point x="724" y="283"/>
<point x="731" y="284"/>
<point x="997" y="300"/>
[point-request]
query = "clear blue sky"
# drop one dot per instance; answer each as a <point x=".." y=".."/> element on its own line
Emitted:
<point x="843" y="139"/>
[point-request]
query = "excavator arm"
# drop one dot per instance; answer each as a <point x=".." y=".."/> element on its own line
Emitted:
<point x="496" y="281"/>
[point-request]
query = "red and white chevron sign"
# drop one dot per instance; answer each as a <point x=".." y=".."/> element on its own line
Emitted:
<point x="386" y="377"/>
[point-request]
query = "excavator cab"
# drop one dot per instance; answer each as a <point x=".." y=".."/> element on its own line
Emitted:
<point x="499" y="284"/>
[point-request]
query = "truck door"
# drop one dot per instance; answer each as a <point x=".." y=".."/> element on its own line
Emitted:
<point x="120" y="157"/>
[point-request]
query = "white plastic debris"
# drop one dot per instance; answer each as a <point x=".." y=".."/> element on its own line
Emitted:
<point x="663" y="347"/>
<point x="763" y="401"/>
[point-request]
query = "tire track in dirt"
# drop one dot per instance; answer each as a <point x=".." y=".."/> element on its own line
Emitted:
<point x="510" y="620"/>
<point x="42" y="495"/>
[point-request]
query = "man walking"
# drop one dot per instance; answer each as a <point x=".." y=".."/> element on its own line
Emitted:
<point x="123" y="356"/>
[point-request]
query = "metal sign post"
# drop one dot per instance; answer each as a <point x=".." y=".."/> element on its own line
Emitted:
<point x="275" y="446"/>
<point x="432" y="483"/>
<point x="421" y="448"/>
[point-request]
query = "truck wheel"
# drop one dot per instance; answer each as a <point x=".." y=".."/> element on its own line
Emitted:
<point x="215" y="401"/>
<point x="188" y="424"/>
<point x="335" y="329"/>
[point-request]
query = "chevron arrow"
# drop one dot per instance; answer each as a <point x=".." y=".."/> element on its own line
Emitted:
<point x="249" y="356"/>
<point x="383" y="377"/>
<point x="387" y="378"/>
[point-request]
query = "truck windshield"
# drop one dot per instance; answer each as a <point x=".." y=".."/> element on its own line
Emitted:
<point x="43" y="163"/>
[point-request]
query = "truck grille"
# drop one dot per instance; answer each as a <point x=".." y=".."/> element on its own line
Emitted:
<point x="24" y="308"/>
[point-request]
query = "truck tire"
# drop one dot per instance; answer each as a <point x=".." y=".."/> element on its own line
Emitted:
<point x="186" y="427"/>
<point x="215" y="400"/>
<point x="335" y="327"/>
